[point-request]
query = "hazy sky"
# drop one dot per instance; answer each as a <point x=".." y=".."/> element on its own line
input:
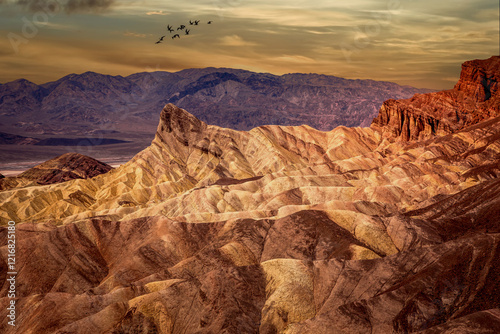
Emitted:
<point x="420" y="43"/>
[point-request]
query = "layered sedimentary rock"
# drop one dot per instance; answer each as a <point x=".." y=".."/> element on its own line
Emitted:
<point x="63" y="168"/>
<point x="274" y="230"/>
<point x="474" y="98"/>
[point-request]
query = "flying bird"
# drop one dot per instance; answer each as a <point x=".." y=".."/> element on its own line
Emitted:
<point x="181" y="27"/>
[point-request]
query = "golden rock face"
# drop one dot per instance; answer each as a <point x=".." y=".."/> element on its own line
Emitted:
<point x="273" y="230"/>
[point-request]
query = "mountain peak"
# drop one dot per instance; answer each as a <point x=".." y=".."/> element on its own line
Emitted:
<point x="178" y="122"/>
<point x="22" y="83"/>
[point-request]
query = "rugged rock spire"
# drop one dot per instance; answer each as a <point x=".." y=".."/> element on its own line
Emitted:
<point x="181" y="124"/>
<point x="474" y="98"/>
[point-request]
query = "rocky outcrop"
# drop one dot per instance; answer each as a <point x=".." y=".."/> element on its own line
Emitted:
<point x="480" y="79"/>
<point x="474" y="98"/>
<point x="63" y="168"/>
<point x="66" y="167"/>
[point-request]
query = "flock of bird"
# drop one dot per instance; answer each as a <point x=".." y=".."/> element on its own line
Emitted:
<point x="182" y="27"/>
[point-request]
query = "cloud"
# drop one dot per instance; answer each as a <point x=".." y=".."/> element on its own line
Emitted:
<point x="157" y="12"/>
<point x="449" y="29"/>
<point x="69" y="6"/>
<point x="235" y="40"/>
<point x="134" y="34"/>
<point x="293" y="59"/>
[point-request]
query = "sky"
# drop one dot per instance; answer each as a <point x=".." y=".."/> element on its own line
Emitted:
<point x="419" y="43"/>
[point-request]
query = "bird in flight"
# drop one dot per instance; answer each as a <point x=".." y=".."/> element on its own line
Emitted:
<point x="181" y="27"/>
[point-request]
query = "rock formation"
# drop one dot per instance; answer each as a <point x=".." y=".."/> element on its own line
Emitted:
<point x="273" y="230"/>
<point x="63" y="168"/>
<point x="474" y="98"/>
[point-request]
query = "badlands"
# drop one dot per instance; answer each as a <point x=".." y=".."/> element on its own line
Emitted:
<point x="392" y="228"/>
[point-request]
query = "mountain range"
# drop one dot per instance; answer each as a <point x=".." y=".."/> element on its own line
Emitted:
<point x="392" y="228"/>
<point x="92" y="104"/>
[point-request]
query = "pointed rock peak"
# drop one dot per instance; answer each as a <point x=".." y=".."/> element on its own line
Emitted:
<point x="175" y="119"/>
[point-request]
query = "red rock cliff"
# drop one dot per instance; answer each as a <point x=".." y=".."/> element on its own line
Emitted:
<point x="475" y="97"/>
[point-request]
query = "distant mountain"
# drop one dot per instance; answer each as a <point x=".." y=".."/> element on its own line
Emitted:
<point x="79" y="103"/>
